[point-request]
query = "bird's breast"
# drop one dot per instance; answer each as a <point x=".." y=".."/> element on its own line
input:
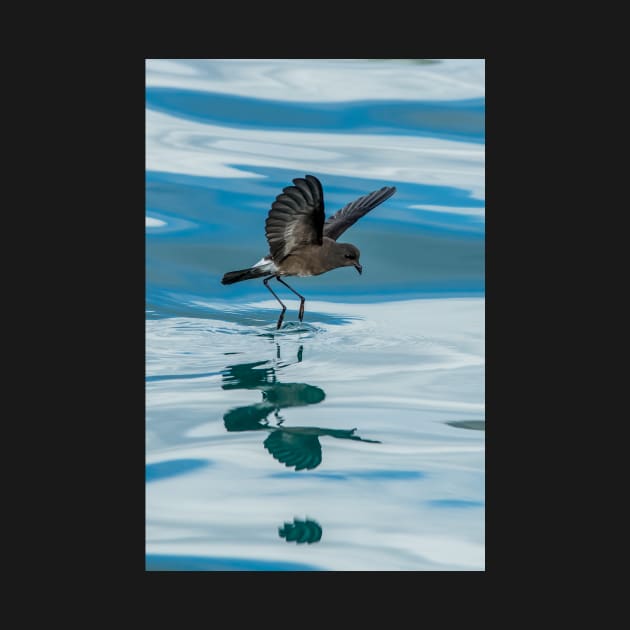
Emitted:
<point x="309" y="260"/>
<point x="301" y="265"/>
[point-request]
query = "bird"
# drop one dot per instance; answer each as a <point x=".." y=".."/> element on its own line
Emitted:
<point x="302" y="242"/>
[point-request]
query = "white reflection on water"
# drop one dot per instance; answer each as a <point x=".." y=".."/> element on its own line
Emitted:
<point x="478" y="213"/>
<point x="152" y="222"/>
<point x="398" y="372"/>
<point x="323" y="80"/>
<point x="182" y="146"/>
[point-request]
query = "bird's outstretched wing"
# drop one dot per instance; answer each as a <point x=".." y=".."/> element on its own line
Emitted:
<point x="296" y="217"/>
<point x="339" y="222"/>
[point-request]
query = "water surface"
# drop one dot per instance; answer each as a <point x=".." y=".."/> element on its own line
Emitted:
<point x="355" y="439"/>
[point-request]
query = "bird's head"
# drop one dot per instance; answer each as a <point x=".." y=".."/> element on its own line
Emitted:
<point x="348" y="256"/>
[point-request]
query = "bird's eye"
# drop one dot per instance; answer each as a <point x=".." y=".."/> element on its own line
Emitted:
<point x="350" y="256"/>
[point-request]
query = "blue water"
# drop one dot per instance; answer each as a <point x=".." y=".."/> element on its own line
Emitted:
<point x="355" y="439"/>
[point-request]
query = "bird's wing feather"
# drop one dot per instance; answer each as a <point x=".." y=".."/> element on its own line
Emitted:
<point x="296" y="217"/>
<point x="339" y="222"/>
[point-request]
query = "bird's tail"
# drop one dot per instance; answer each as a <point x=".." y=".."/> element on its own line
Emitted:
<point x="244" y="274"/>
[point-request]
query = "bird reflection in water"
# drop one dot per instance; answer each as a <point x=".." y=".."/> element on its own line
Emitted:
<point x="301" y="531"/>
<point x="295" y="447"/>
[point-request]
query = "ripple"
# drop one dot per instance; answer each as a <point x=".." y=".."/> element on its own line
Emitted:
<point x="329" y="80"/>
<point x="457" y="120"/>
<point x="183" y="146"/>
<point x="304" y="330"/>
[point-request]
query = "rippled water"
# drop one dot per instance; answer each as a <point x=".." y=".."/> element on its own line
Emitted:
<point x="355" y="439"/>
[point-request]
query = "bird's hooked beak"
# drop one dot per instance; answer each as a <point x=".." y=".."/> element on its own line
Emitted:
<point x="358" y="267"/>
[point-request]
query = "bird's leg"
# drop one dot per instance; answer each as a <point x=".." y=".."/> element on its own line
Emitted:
<point x="302" y="298"/>
<point x="284" y="308"/>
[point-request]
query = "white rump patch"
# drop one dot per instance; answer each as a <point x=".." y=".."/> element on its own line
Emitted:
<point x="268" y="265"/>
